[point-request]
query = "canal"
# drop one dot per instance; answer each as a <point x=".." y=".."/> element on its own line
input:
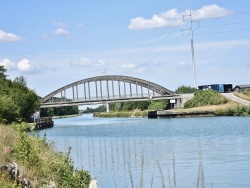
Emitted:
<point x="140" y="152"/>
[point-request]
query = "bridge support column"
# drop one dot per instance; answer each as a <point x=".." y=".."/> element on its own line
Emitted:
<point x="107" y="107"/>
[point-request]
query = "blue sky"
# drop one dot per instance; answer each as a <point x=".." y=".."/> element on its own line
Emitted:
<point x="54" y="43"/>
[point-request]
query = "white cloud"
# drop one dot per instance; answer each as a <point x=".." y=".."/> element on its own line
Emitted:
<point x="174" y="18"/>
<point x="9" y="65"/>
<point x="88" y="62"/>
<point x="210" y="11"/>
<point x="28" y="67"/>
<point x="183" y="65"/>
<point x="61" y="31"/>
<point x="8" y="37"/>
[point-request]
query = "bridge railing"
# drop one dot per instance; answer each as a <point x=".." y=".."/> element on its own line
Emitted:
<point x="61" y="100"/>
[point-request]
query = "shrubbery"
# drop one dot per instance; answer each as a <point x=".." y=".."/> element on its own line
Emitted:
<point x="37" y="161"/>
<point x="185" y="89"/>
<point x="59" y="111"/>
<point x="234" y="111"/>
<point x="140" y="105"/>
<point x="203" y="98"/>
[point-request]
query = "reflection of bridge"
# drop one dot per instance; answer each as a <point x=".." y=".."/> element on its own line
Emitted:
<point x="106" y="89"/>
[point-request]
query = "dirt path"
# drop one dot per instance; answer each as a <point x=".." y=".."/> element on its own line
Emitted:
<point x="232" y="97"/>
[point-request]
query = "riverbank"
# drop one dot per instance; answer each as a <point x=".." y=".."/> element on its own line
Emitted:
<point x="32" y="161"/>
<point x="66" y="116"/>
<point x="228" y="109"/>
<point x="129" y="114"/>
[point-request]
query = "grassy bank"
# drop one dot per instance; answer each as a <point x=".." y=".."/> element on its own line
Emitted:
<point x="134" y="113"/>
<point x="213" y="101"/>
<point x="244" y="95"/>
<point x="239" y="110"/>
<point x="36" y="160"/>
<point x="208" y="100"/>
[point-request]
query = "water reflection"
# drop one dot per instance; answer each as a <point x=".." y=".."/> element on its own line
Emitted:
<point x="170" y="152"/>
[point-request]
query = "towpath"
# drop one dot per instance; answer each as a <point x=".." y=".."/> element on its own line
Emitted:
<point x="232" y="97"/>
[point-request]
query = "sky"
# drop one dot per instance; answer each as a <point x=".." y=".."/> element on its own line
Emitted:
<point x="55" y="43"/>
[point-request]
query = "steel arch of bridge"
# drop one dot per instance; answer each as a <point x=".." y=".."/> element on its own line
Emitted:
<point x="104" y="91"/>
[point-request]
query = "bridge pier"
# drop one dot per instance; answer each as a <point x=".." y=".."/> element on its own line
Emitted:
<point x="107" y="107"/>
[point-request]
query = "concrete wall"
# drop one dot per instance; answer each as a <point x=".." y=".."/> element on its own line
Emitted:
<point x="184" y="98"/>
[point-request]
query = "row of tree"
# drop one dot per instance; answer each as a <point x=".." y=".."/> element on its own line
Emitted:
<point x="59" y="111"/>
<point x="140" y="105"/>
<point x="150" y="105"/>
<point x="101" y="108"/>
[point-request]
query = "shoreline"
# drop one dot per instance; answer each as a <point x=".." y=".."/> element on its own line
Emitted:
<point x="229" y="109"/>
<point x="66" y="116"/>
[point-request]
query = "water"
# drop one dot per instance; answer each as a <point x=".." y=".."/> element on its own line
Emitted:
<point x="120" y="152"/>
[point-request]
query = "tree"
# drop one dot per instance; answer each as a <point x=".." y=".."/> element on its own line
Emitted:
<point x="20" y="80"/>
<point x="17" y="101"/>
<point x="2" y="72"/>
<point x="185" y="89"/>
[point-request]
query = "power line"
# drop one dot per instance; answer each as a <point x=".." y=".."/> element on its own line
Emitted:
<point x="217" y="25"/>
<point x="176" y="41"/>
<point x="220" y="32"/>
<point x="150" y="49"/>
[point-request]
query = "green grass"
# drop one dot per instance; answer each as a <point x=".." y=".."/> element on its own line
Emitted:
<point x="37" y="160"/>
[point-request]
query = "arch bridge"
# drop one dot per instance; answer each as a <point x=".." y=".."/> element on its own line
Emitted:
<point x="106" y="89"/>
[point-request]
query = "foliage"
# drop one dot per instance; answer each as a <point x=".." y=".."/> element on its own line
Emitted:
<point x="37" y="161"/>
<point x="234" y="111"/>
<point x="158" y="105"/>
<point x="17" y="101"/>
<point x="2" y="72"/>
<point x="203" y="98"/>
<point x="140" y="105"/>
<point x="185" y="89"/>
<point x="101" y="108"/>
<point x="59" y="111"/>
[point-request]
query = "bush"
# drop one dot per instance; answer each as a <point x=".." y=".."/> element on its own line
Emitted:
<point x="234" y="111"/>
<point x="203" y="98"/>
<point x="37" y="160"/>
<point x="185" y="89"/>
<point x="158" y="105"/>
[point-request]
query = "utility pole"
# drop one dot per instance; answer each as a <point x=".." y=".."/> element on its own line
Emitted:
<point x="192" y="44"/>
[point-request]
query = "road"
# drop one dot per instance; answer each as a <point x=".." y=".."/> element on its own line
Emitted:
<point x="232" y="97"/>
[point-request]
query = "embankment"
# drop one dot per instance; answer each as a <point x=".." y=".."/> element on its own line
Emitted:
<point x="31" y="161"/>
<point x="135" y="113"/>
